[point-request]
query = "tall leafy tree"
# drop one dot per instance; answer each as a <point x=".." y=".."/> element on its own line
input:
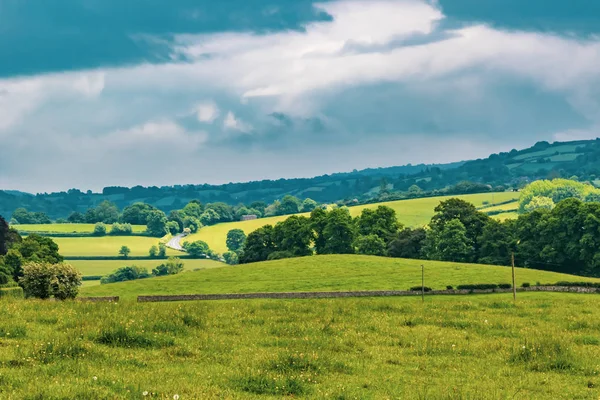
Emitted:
<point x="259" y="244"/>
<point x="235" y="239"/>
<point x="408" y="243"/>
<point x="339" y="232"/>
<point x="137" y="213"/>
<point x="156" y="223"/>
<point x="294" y="235"/>
<point x="381" y="222"/>
<point x="318" y="221"/>
<point x="450" y="243"/>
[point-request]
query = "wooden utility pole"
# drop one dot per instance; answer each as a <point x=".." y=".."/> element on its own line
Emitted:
<point x="512" y="257"/>
<point x="422" y="283"/>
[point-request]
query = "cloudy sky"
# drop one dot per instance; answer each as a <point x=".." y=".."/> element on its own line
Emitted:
<point x="160" y="92"/>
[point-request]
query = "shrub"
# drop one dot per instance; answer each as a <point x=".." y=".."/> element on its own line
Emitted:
<point x="162" y="249"/>
<point x="526" y="284"/>
<point x="121" y="229"/>
<point x="419" y="288"/>
<point x="13" y="292"/>
<point x="504" y="285"/>
<point x="123" y="274"/>
<point x="173" y="266"/>
<point x="578" y="284"/>
<point x="153" y="252"/>
<point x="196" y="249"/>
<point x="449" y="287"/>
<point x="100" y="229"/>
<point x="231" y="258"/>
<point x="42" y="280"/>
<point x="478" y="286"/>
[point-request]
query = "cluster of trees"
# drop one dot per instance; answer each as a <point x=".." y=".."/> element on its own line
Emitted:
<point x="547" y="193"/>
<point x="35" y="264"/>
<point x="22" y="216"/>
<point x="117" y="229"/>
<point x="565" y="239"/>
<point x="172" y="266"/>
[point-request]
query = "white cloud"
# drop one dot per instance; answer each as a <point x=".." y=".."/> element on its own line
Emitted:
<point x="207" y="112"/>
<point x="231" y="122"/>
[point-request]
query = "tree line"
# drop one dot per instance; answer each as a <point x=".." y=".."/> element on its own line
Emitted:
<point x="565" y="238"/>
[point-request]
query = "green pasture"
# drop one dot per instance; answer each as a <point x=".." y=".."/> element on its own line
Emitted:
<point x="326" y="273"/>
<point x="414" y="212"/>
<point x="567" y="148"/>
<point x="546" y="346"/>
<point x="107" y="246"/>
<point x="69" y="228"/>
<point x="103" y="267"/>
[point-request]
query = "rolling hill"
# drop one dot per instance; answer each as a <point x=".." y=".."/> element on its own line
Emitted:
<point x="414" y="212"/>
<point x="559" y="159"/>
<point x="326" y="273"/>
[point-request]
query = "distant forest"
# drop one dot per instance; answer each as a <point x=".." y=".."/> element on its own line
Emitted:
<point x="578" y="160"/>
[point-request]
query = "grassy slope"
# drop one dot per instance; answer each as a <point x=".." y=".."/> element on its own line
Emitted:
<point x="321" y="273"/>
<point x="413" y="212"/>
<point x="107" y="245"/>
<point x="477" y="347"/>
<point x="103" y="267"/>
<point x="69" y="228"/>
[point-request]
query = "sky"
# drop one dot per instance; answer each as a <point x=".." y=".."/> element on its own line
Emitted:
<point x="98" y="93"/>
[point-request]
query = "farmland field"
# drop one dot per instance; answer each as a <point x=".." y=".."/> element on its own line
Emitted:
<point x="69" y="228"/>
<point x="322" y="273"/>
<point x="106" y="245"/>
<point x="414" y="212"/>
<point x="103" y="267"/>
<point x="546" y="346"/>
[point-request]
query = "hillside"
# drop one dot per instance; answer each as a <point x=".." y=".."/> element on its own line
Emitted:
<point x="322" y="273"/>
<point x="415" y="212"/>
<point x="560" y="159"/>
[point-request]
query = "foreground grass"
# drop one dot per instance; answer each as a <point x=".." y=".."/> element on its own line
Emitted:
<point x="103" y="267"/>
<point x="415" y="212"/>
<point x="322" y="273"/>
<point x="546" y="346"/>
<point x="107" y="246"/>
<point x="69" y="228"/>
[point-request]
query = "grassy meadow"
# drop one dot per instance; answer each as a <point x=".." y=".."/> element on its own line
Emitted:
<point x="107" y="245"/>
<point x="70" y="228"/>
<point x="546" y="346"/>
<point x="325" y="273"/>
<point x="414" y="212"/>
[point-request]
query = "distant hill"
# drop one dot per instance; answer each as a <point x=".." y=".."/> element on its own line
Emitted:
<point x="503" y="170"/>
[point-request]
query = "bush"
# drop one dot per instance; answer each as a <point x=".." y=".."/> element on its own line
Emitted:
<point x="504" y="285"/>
<point x="478" y="286"/>
<point x="578" y="284"/>
<point x="231" y="258"/>
<point x="12" y="292"/>
<point x="162" y="249"/>
<point x="526" y="284"/>
<point x="173" y="266"/>
<point x="100" y="229"/>
<point x="173" y="227"/>
<point x="419" y="288"/>
<point x="196" y="249"/>
<point x="126" y="274"/>
<point x="153" y="252"/>
<point x="121" y="229"/>
<point x="43" y="280"/>
<point x="449" y="287"/>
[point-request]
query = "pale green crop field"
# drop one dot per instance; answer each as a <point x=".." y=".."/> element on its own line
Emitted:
<point x="69" y="228"/>
<point x="327" y="273"/>
<point x="107" y="246"/>
<point x="414" y="212"/>
<point x="103" y="267"/>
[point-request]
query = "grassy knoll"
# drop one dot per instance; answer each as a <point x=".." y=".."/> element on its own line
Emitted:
<point x="69" y="228"/>
<point x="414" y="212"/>
<point x="319" y="273"/>
<point x="103" y="267"/>
<point x="107" y="246"/>
<point x="546" y="346"/>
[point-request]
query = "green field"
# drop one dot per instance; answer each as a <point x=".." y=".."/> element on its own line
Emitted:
<point x="547" y="346"/>
<point x="103" y="267"/>
<point x="322" y="273"/>
<point x="107" y="245"/>
<point x="70" y="228"/>
<point x="414" y="212"/>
